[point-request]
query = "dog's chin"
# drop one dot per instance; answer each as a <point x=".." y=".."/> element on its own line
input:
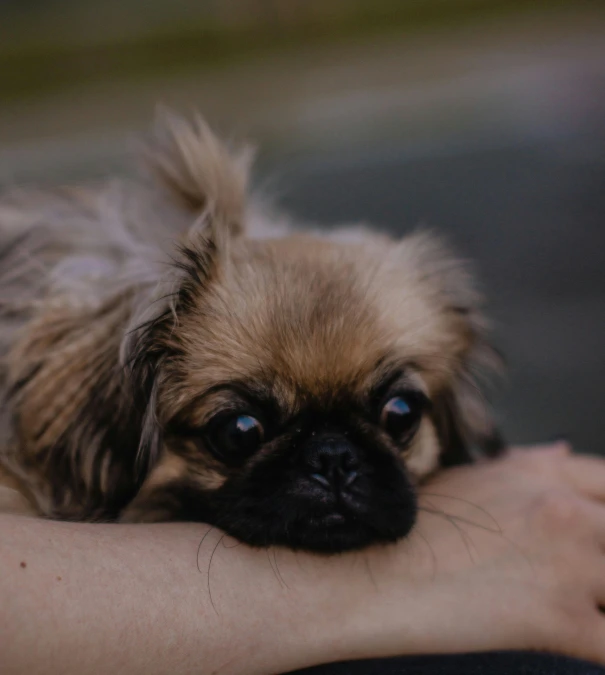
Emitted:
<point x="333" y="535"/>
<point x="329" y="532"/>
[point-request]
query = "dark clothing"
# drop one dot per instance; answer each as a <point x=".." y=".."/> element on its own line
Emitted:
<point x="496" y="663"/>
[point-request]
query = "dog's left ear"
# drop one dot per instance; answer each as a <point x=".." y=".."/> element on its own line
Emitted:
<point x="462" y="414"/>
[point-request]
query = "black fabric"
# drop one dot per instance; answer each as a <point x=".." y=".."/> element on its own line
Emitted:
<point x="495" y="663"/>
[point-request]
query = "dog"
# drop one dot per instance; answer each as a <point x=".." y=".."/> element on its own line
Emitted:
<point x="173" y="349"/>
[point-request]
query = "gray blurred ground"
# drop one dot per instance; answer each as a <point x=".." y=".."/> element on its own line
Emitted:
<point x="495" y="136"/>
<point x="533" y="219"/>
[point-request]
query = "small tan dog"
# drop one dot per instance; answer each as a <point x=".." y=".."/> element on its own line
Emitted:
<point x="172" y="351"/>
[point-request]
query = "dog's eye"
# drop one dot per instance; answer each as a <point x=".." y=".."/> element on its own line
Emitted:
<point x="401" y="415"/>
<point x="236" y="438"/>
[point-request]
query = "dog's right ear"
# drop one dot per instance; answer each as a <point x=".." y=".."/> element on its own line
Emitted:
<point x="200" y="173"/>
<point x="464" y="419"/>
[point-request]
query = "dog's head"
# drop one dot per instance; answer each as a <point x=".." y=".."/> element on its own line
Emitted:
<point x="298" y="387"/>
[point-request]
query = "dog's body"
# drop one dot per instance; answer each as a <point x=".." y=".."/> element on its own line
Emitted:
<point x="175" y="352"/>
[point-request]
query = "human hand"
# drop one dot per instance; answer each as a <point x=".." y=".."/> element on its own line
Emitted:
<point x="507" y="555"/>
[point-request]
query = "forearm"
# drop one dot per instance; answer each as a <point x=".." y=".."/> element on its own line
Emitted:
<point x="164" y="598"/>
<point x="96" y="598"/>
<point x="107" y="598"/>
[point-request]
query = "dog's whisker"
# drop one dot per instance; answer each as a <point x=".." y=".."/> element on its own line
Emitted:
<point x="453" y="520"/>
<point x="370" y="573"/>
<point x="416" y="531"/>
<point x="199" y="548"/>
<point x="275" y="574"/>
<point x="209" y="571"/>
<point x="278" y="570"/>
<point x="497" y="527"/>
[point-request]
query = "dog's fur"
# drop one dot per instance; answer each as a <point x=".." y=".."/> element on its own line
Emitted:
<point x="131" y="316"/>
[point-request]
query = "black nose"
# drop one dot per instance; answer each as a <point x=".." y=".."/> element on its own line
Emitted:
<point x="332" y="461"/>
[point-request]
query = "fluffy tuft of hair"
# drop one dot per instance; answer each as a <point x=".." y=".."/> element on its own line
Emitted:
<point x="200" y="172"/>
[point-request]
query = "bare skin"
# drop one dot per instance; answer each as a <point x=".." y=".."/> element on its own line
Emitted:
<point x="508" y="555"/>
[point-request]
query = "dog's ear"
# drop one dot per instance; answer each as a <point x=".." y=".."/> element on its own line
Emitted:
<point x="199" y="171"/>
<point x="76" y="426"/>
<point x="151" y="340"/>
<point x="462" y="413"/>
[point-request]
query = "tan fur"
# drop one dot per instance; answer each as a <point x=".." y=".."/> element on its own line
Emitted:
<point x="422" y="458"/>
<point x="214" y="182"/>
<point x="97" y="330"/>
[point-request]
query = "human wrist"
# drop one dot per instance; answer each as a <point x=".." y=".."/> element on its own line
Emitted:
<point x="350" y="606"/>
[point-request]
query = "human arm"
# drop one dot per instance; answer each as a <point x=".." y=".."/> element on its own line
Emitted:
<point x="506" y="555"/>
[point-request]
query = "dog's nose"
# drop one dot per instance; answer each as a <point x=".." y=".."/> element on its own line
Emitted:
<point x="332" y="461"/>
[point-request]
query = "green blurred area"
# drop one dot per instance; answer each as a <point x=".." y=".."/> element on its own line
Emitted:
<point x="484" y="119"/>
<point x="53" y="44"/>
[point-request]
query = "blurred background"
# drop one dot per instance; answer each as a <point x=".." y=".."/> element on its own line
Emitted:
<point x="484" y="119"/>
